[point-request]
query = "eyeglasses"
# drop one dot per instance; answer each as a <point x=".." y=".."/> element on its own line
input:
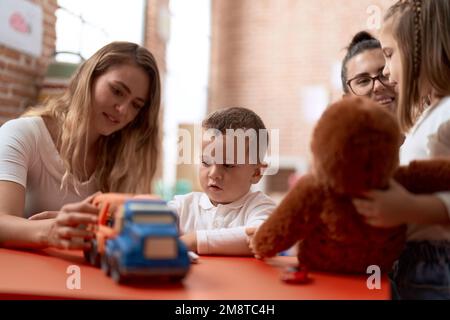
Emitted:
<point x="363" y="85"/>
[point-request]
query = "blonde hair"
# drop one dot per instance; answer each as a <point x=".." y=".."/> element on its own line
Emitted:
<point x="422" y="31"/>
<point x="127" y="159"/>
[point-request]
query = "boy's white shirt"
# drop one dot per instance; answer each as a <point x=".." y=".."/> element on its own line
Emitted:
<point x="429" y="138"/>
<point x="221" y="229"/>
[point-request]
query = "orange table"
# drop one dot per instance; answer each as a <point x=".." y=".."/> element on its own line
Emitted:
<point x="35" y="274"/>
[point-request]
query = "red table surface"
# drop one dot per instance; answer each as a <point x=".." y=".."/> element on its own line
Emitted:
<point x="43" y="274"/>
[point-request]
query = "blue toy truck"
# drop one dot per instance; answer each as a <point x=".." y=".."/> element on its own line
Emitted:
<point x="141" y="238"/>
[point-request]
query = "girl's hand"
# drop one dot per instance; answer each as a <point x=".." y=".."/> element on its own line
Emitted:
<point x="386" y="208"/>
<point x="64" y="230"/>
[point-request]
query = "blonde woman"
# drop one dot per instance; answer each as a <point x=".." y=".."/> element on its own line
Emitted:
<point x="100" y="135"/>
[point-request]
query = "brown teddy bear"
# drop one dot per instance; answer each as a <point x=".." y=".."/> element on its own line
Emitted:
<point x="355" y="148"/>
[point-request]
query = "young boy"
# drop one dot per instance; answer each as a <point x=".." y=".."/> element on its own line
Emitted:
<point x="220" y="219"/>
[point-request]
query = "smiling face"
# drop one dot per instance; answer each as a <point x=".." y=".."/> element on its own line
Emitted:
<point x="227" y="181"/>
<point x="391" y="52"/>
<point x="370" y="63"/>
<point x="118" y="95"/>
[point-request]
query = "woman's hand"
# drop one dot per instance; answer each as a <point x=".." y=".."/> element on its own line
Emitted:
<point x="44" y="215"/>
<point x="67" y="228"/>
<point x="386" y="208"/>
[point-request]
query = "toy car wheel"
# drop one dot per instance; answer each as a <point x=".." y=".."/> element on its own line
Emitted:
<point x="115" y="272"/>
<point x="105" y="265"/>
<point x="94" y="257"/>
<point x="296" y="275"/>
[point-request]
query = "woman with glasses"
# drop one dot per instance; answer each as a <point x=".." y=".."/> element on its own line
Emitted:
<point x="362" y="71"/>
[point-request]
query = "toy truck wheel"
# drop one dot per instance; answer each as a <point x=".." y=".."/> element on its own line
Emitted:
<point x="105" y="265"/>
<point x="176" y="278"/>
<point x="115" y="272"/>
<point x="87" y="253"/>
<point x="94" y="257"/>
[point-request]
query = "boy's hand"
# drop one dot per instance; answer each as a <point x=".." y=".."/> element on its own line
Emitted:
<point x="250" y="234"/>
<point x="190" y="239"/>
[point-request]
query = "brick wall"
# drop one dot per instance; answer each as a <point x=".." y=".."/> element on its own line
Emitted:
<point x="155" y="39"/>
<point x="264" y="53"/>
<point x="21" y="74"/>
<point x="155" y="31"/>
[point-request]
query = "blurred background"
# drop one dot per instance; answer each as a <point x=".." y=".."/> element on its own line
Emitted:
<point x="280" y="58"/>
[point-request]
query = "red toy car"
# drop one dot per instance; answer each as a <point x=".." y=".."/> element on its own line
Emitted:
<point x="295" y="275"/>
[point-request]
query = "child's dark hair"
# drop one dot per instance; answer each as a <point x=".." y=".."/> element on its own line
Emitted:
<point x="236" y="118"/>
<point x="233" y="118"/>
<point x="362" y="41"/>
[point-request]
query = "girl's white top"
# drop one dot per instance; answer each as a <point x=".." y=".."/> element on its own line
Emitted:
<point x="429" y="138"/>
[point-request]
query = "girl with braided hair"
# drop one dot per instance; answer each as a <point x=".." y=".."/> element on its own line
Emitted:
<point x="415" y="40"/>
